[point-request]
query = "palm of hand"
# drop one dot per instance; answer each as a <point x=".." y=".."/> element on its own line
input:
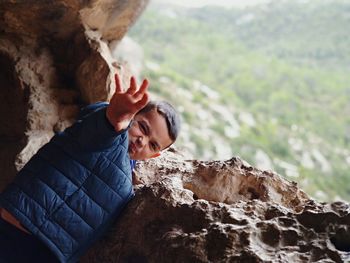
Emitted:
<point x="124" y="105"/>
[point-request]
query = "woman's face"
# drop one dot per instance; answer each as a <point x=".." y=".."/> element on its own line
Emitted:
<point x="148" y="135"/>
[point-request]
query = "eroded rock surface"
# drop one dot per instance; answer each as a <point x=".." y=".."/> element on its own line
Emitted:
<point x="222" y="211"/>
<point x="54" y="58"/>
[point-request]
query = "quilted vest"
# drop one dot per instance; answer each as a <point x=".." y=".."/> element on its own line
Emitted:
<point x="74" y="187"/>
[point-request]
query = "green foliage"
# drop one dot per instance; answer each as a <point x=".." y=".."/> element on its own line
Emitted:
<point x="286" y="63"/>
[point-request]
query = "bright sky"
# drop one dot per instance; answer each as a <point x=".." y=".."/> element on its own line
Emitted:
<point x="227" y="3"/>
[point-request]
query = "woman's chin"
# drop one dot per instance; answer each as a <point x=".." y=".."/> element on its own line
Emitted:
<point x="133" y="156"/>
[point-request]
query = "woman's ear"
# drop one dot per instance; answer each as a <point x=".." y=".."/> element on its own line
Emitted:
<point x="155" y="155"/>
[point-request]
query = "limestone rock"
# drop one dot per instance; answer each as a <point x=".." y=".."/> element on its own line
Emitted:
<point x="54" y="58"/>
<point x="222" y="211"/>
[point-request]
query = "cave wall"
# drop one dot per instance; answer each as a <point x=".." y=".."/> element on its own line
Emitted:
<point x="222" y="211"/>
<point x="54" y="58"/>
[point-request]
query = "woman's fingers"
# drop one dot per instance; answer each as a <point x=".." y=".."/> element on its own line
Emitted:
<point x="139" y="94"/>
<point x="118" y="86"/>
<point x="142" y="102"/>
<point x="132" y="90"/>
<point x="133" y="87"/>
<point x="134" y="99"/>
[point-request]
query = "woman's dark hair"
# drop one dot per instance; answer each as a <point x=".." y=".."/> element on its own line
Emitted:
<point x="169" y="113"/>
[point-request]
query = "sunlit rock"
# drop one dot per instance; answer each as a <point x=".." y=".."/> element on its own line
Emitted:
<point x="152" y="65"/>
<point x="54" y="58"/>
<point x="223" y="149"/>
<point x="306" y="161"/>
<point x="222" y="211"/>
<point x="347" y="159"/>
<point x="233" y="129"/>
<point x="262" y="160"/>
<point x="291" y="170"/>
<point x="323" y="162"/>
<point x="247" y="119"/>
<point x="296" y="144"/>
<point x="130" y="52"/>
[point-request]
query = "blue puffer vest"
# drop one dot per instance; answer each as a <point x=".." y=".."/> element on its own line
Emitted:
<point x="75" y="187"/>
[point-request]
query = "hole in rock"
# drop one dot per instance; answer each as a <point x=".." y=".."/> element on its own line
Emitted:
<point x="135" y="257"/>
<point x="14" y="101"/>
<point x="253" y="193"/>
<point x="341" y="240"/>
<point x="13" y="117"/>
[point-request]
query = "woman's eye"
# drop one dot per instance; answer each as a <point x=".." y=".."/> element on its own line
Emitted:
<point x="142" y="128"/>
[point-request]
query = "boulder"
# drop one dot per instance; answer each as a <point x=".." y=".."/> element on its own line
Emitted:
<point x="54" y="59"/>
<point x="222" y="211"/>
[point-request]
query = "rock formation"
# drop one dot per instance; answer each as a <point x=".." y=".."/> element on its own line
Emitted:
<point x="222" y="211"/>
<point x="55" y="56"/>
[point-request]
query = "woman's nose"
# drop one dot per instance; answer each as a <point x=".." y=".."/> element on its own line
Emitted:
<point x="140" y="141"/>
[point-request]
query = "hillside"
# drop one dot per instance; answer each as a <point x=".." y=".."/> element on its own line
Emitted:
<point x="268" y="83"/>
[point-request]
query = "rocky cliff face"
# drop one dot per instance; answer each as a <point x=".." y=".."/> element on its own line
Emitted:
<point x="56" y="56"/>
<point x="222" y="211"/>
